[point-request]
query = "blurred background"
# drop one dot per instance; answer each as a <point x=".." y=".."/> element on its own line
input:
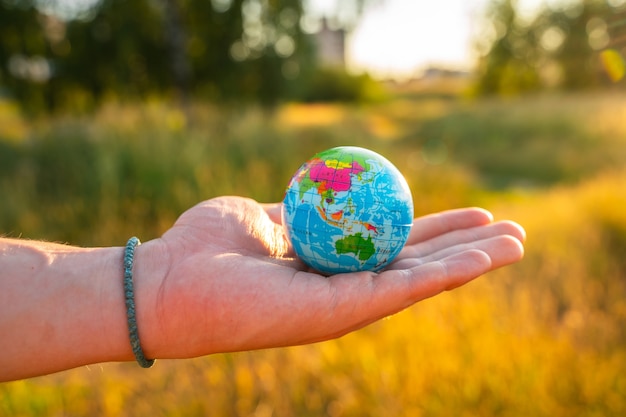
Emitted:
<point x="116" y="116"/>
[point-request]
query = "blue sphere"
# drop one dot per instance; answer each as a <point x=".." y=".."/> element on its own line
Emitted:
<point x="347" y="209"/>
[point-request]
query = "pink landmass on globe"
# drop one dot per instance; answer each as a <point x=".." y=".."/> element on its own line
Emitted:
<point x="336" y="179"/>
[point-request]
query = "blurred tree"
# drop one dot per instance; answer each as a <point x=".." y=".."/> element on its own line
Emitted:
<point x="220" y="49"/>
<point x="122" y="49"/>
<point x="47" y="62"/>
<point x="558" y="48"/>
<point x="176" y="36"/>
<point x="509" y="66"/>
<point x="347" y="13"/>
<point x="585" y="29"/>
<point x="247" y="49"/>
<point x="23" y="48"/>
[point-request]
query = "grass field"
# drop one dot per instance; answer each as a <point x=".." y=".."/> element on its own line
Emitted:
<point x="545" y="337"/>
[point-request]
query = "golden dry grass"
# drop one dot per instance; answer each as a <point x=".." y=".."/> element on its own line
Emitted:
<point x="545" y="337"/>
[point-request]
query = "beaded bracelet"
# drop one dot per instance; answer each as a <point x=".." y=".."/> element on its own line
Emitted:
<point x="129" y="294"/>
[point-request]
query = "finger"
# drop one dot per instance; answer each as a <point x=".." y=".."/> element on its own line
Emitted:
<point x="463" y="236"/>
<point x="274" y="211"/>
<point x="363" y="298"/>
<point x="451" y="272"/>
<point x="276" y="237"/>
<point x="426" y="280"/>
<point x="502" y="250"/>
<point x="432" y="225"/>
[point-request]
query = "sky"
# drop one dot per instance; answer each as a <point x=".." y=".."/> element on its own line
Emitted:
<point x="400" y="38"/>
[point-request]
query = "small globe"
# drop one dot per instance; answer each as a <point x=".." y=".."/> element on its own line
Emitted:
<point x="347" y="209"/>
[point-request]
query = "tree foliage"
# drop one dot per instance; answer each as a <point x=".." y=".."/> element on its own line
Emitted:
<point x="558" y="48"/>
<point x="221" y="49"/>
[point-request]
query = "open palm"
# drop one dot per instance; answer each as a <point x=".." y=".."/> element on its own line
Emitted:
<point x="230" y="282"/>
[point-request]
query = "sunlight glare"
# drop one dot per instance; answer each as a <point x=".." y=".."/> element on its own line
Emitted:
<point x="398" y="37"/>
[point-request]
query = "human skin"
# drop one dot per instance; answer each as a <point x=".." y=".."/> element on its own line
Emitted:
<point x="222" y="279"/>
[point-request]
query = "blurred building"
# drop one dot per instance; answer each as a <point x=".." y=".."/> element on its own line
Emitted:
<point x="331" y="46"/>
<point x="433" y="73"/>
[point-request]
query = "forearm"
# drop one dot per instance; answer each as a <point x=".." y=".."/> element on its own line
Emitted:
<point x="60" y="307"/>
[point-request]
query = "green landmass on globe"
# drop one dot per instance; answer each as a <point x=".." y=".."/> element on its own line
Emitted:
<point x="363" y="248"/>
<point x="347" y="209"/>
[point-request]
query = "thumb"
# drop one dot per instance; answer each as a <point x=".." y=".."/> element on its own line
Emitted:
<point x="274" y="211"/>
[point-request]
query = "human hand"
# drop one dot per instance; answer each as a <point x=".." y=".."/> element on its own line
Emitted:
<point x="224" y="278"/>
